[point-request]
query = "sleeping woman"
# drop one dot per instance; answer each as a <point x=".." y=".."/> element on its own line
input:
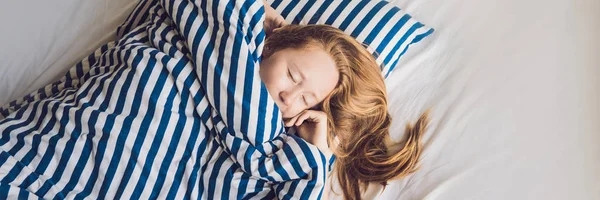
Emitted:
<point x="185" y="104"/>
<point x="331" y="90"/>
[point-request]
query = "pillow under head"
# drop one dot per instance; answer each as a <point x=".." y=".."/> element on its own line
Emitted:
<point x="387" y="30"/>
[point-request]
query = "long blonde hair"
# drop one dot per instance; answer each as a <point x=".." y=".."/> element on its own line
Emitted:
<point x="356" y="110"/>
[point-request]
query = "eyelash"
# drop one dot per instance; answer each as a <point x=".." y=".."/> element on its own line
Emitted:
<point x="292" y="78"/>
<point x="290" y="75"/>
<point x="305" y="101"/>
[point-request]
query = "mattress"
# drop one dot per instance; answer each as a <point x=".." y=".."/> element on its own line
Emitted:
<point x="512" y="86"/>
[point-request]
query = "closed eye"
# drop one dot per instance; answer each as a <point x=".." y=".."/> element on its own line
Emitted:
<point x="305" y="101"/>
<point x="290" y="76"/>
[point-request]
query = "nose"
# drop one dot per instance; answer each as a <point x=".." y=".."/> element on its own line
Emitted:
<point x="289" y="96"/>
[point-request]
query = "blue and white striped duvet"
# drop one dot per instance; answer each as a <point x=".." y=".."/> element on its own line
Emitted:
<point x="161" y="113"/>
<point x="174" y="109"/>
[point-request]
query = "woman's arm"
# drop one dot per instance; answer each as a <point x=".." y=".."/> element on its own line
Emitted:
<point x="312" y="127"/>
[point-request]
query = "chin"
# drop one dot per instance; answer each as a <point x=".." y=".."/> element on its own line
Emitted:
<point x="285" y="117"/>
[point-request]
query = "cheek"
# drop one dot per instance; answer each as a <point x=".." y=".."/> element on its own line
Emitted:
<point x="292" y="111"/>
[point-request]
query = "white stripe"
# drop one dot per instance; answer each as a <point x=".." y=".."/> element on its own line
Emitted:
<point x="127" y="109"/>
<point x="371" y="27"/>
<point x="190" y="164"/>
<point x="28" y="139"/>
<point x="176" y="158"/>
<point x="198" y="171"/>
<point x="297" y="8"/>
<point x="254" y="7"/>
<point x="407" y="42"/>
<point x="387" y="50"/>
<point x="344" y="14"/>
<point x="150" y="136"/>
<point x="328" y="12"/>
<point x="84" y="177"/>
<point x="311" y="12"/>
<point x="73" y="158"/>
<point x="363" y="12"/>
<point x="111" y="143"/>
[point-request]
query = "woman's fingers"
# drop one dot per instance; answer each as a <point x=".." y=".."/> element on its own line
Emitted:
<point x="310" y="115"/>
<point x="291" y="121"/>
<point x="305" y="115"/>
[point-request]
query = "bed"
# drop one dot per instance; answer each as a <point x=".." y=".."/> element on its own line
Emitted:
<point x="513" y="86"/>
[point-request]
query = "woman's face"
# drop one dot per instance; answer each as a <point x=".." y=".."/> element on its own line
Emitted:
<point x="298" y="79"/>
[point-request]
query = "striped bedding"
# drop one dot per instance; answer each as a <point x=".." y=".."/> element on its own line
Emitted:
<point x="161" y="113"/>
<point x="385" y="29"/>
<point x="175" y="109"/>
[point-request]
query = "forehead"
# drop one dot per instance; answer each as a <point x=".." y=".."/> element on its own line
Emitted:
<point x="319" y="69"/>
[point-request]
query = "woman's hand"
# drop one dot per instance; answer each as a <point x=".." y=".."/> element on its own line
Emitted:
<point x="312" y="127"/>
<point x="273" y="20"/>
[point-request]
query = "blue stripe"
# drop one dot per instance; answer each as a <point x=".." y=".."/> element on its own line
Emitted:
<point x="247" y="165"/>
<point x="164" y="167"/>
<point x="53" y="141"/>
<point x="21" y="137"/>
<point x="241" y="192"/>
<point x="317" y="16"/>
<point x="110" y="121"/>
<point x="37" y="140"/>
<point x="274" y="121"/>
<point x="410" y="32"/>
<point x="194" y="176"/>
<point x="262" y="107"/>
<point x="153" y="151"/>
<point x="303" y="12"/>
<point x="336" y="12"/>
<point x="23" y="194"/>
<point x="275" y="3"/>
<point x="4" y="189"/>
<point x="16" y="170"/>
<point x="385" y="19"/>
<point x="6" y="132"/>
<point x="181" y="124"/>
<point x="357" y="9"/>
<point x="286" y="11"/>
<point x="367" y="19"/>
<point x="415" y="40"/>
<point x="201" y="185"/>
<point x="135" y="14"/>
<point x="141" y="135"/>
<point x="392" y="33"/>
<point x="185" y="158"/>
<point x="71" y="144"/>
<point x="235" y="53"/>
<point x="102" y="142"/>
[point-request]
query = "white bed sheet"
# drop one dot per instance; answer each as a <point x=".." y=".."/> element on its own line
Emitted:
<point x="41" y="40"/>
<point x="514" y="91"/>
<point x="513" y="86"/>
